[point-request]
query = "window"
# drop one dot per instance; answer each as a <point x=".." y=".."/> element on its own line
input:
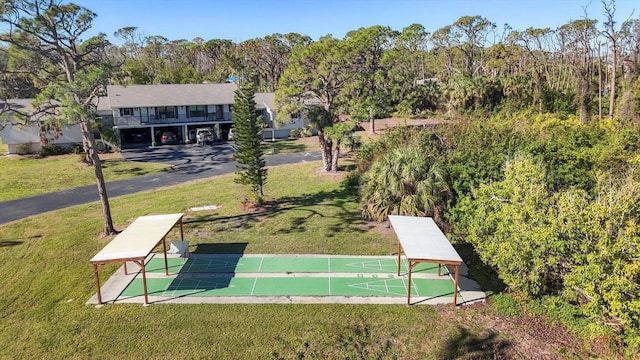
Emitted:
<point x="167" y="112"/>
<point x="126" y="111"/>
<point x="196" y="110"/>
<point x="144" y="115"/>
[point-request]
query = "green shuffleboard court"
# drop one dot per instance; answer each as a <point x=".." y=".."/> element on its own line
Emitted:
<point x="287" y="275"/>
<point x="285" y="264"/>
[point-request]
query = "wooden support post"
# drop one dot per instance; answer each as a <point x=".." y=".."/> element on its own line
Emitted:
<point x="398" y="257"/>
<point x="144" y="283"/>
<point x="409" y="287"/>
<point x="164" y="248"/>
<point x="95" y="271"/>
<point x="455" y="286"/>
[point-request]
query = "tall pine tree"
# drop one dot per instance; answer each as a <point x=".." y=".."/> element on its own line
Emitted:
<point x="247" y="126"/>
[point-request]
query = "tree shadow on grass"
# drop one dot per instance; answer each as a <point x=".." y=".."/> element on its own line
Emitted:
<point x="234" y="222"/>
<point x="7" y="243"/>
<point x="465" y="345"/>
<point x="16" y="241"/>
<point x="337" y="204"/>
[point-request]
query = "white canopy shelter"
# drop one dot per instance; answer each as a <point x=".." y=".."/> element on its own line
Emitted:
<point x="135" y="243"/>
<point x="423" y="241"/>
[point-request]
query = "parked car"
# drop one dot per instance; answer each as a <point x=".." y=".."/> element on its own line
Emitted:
<point x="205" y="136"/>
<point x="137" y="137"/>
<point x="168" y="137"/>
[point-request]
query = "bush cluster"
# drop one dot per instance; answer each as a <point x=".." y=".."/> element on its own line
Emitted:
<point x="549" y="203"/>
<point x="55" y="149"/>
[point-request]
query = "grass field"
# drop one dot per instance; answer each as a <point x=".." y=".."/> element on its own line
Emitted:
<point x="29" y="176"/>
<point x="47" y="279"/>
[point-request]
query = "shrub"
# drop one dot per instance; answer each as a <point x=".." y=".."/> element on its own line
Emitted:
<point x="52" y="149"/>
<point x="24" y="149"/>
<point x="297" y="133"/>
<point x="76" y="149"/>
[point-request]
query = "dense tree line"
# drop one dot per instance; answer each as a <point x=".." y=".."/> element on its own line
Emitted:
<point x="547" y="202"/>
<point x="588" y="66"/>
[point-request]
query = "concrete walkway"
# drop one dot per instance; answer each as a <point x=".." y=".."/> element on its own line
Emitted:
<point x="188" y="164"/>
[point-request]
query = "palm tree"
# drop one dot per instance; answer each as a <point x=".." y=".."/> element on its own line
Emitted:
<point x="403" y="182"/>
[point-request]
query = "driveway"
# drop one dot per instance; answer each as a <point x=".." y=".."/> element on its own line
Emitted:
<point x="187" y="158"/>
<point x="190" y="162"/>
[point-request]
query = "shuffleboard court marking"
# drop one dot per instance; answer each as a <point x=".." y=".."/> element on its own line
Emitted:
<point x="413" y="285"/>
<point x="329" y="270"/>
<point x="211" y="264"/>
<point x="372" y="265"/>
<point x="386" y="286"/>
<point x="199" y="285"/>
<point x="282" y="263"/>
<point x="381" y="286"/>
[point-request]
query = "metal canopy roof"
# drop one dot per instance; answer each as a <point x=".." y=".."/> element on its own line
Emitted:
<point x="421" y="238"/>
<point x="139" y="238"/>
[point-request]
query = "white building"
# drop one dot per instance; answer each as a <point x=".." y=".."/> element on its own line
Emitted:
<point x="142" y="113"/>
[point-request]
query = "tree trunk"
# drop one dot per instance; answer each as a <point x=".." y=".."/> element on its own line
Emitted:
<point x="583" y="95"/>
<point x="334" y="159"/>
<point x="599" y="85"/>
<point x="87" y="152"/>
<point x="90" y="143"/>
<point x="537" y="92"/>
<point x="614" y="65"/>
<point x="325" y="151"/>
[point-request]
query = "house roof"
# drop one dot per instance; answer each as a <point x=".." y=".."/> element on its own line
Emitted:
<point x="170" y="95"/>
<point x="264" y="100"/>
<point x="23" y="105"/>
<point x="26" y="105"/>
<point x="103" y="104"/>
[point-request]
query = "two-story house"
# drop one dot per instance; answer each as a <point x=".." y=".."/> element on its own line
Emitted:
<point x="140" y="114"/>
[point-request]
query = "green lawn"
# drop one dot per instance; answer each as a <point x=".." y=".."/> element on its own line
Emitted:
<point x="27" y="176"/>
<point x="47" y="278"/>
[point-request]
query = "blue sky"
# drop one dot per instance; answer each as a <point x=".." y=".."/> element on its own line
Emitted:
<point x="240" y="20"/>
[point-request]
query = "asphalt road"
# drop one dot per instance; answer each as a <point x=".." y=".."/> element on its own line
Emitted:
<point x="190" y="162"/>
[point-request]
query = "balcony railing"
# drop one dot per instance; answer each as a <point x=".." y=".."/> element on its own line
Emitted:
<point x="151" y="120"/>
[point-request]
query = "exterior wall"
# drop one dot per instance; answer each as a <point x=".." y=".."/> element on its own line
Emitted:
<point x="282" y="131"/>
<point x="294" y="124"/>
<point x="14" y="136"/>
<point x="140" y="118"/>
